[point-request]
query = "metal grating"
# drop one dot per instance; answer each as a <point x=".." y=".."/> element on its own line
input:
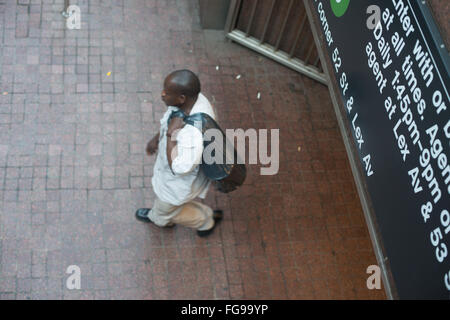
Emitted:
<point x="278" y="29"/>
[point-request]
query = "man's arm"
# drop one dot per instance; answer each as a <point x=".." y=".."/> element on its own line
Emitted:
<point x="188" y="151"/>
<point x="152" y="146"/>
<point x="171" y="151"/>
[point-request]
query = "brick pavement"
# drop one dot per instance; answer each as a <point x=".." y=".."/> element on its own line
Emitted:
<point x="73" y="167"/>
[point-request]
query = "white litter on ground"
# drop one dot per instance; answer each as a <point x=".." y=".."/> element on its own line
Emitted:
<point x="217" y="68"/>
<point x="238" y="77"/>
<point x="259" y="96"/>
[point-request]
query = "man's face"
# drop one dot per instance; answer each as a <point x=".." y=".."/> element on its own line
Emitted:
<point x="170" y="96"/>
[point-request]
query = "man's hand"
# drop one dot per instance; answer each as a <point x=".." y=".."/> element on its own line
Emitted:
<point x="174" y="125"/>
<point x="152" y="146"/>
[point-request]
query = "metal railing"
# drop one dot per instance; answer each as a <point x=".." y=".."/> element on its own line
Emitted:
<point x="65" y="13"/>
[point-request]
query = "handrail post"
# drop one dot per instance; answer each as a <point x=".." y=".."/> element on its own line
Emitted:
<point x="65" y="13"/>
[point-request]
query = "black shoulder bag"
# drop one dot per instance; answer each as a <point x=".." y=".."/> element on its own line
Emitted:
<point x="227" y="175"/>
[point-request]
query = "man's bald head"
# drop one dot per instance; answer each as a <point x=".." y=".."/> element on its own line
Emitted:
<point x="184" y="82"/>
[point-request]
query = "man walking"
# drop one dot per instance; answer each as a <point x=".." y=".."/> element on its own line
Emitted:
<point x="177" y="178"/>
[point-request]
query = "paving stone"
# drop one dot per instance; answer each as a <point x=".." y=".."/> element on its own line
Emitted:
<point x="73" y="167"/>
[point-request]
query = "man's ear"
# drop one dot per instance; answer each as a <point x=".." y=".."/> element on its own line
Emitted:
<point x="182" y="98"/>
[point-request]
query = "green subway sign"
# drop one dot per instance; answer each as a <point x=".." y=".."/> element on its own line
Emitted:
<point x="339" y="7"/>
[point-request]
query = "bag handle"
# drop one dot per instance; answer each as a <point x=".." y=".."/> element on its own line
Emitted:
<point x="196" y="120"/>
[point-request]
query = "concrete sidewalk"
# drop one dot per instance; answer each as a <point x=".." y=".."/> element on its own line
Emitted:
<point x="77" y="108"/>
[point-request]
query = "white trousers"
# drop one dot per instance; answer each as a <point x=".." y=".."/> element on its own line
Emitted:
<point x="193" y="214"/>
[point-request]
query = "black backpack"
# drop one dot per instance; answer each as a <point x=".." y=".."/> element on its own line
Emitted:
<point x="226" y="177"/>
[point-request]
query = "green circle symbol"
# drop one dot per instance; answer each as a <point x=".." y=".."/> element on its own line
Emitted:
<point x="339" y="7"/>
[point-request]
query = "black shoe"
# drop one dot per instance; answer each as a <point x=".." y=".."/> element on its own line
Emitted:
<point x="142" y="215"/>
<point x="217" y="216"/>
